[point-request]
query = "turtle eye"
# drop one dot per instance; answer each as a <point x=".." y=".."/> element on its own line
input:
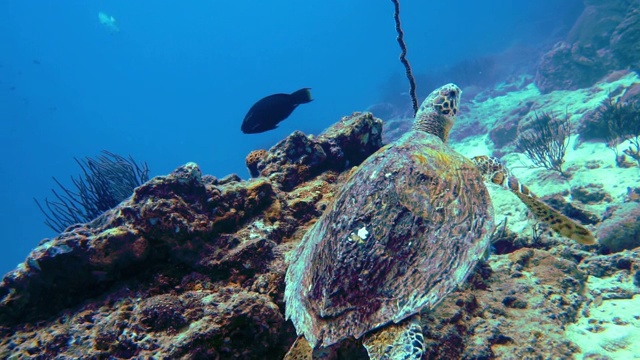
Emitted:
<point x="445" y="111"/>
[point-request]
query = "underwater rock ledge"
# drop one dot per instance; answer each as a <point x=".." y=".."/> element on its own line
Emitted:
<point x="183" y="249"/>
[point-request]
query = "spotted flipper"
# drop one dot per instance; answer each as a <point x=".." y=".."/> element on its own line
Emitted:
<point x="492" y="170"/>
<point x="300" y="350"/>
<point x="402" y="341"/>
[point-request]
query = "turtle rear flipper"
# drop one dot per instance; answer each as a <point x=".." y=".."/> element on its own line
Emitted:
<point x="402" y="341"/>
<point x="300" y="350"/>
<point x="493" y="171"/>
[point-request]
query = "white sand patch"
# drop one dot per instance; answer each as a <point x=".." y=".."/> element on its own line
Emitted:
<point x="611" y="331"/>
<point x="474" y="146"/>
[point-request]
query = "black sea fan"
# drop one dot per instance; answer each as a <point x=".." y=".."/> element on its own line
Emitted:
<point x="105" y="181"/>
<point x="622" y="121"/>
<point x="546" y="142"/>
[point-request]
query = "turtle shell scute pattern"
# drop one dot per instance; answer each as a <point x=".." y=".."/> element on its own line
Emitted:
<point x="405" y="230"/>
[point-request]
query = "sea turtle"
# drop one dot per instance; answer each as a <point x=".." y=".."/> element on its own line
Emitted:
<point x="406" y="229"/>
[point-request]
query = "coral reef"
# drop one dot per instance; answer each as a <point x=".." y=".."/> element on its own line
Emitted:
<point x="622" y="230"/>
<point x="568" y="67"/>
<point x="192" y="266"/>
<point x="603" y="39"/>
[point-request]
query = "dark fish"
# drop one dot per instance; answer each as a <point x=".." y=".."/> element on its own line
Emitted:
<point x="271" y="110"/>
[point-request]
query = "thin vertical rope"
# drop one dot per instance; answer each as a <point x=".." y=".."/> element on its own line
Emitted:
<point x="403" y="57"/>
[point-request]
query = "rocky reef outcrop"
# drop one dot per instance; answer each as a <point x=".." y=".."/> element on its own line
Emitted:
<point x="604" y="38"/>
<point x="189" y="265"/>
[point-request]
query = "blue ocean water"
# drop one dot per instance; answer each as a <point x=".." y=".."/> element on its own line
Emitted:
<point x="174" y="83"/>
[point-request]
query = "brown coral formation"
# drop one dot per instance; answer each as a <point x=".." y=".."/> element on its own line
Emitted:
<point x="299" y="157"/>
<point x="252" y="161"/>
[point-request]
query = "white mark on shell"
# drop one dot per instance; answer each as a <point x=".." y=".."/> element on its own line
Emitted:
<point x="362" y="233"/>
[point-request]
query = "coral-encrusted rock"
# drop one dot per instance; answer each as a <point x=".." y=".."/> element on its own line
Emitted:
<point x="504" y="132"/>
<point x="229" y="323"/>
<point x="631" y="94"/>
<point x="607" y="265"/>
<point x="597" y="22"/>
<point x="293" y="160"/>
<point x="167" y="219"/>
<point x="299" y="157"/>
<point x="604" y="38"/>
<point x="531" y="296"/>
<point x="591" y="194"/>
<point x="351" y="140"/>
<point x="162" y="312"/>
<point x="466" y="129"/>
<point x="625" y="40"/>
<point x="622" y="230"/>
<point x="570" y="67"/>
<point x="252" y="161"/>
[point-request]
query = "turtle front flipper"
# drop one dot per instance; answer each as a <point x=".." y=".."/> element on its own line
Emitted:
<point x="493" y="171"/>
<point x="402" y="341"/>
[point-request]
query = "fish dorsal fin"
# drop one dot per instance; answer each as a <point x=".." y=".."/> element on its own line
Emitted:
<point x="493" y="171"/>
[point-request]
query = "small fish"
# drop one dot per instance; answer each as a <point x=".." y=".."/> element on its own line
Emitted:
<point x="108" y="22"/>
<point x="271" y="110"/>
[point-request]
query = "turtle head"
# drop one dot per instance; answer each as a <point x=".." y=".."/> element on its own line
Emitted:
<point x="438" y="111"/>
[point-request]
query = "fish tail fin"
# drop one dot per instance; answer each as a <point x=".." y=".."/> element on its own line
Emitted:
<point x="302" y="96"/>
<point x="493" y="171"/>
